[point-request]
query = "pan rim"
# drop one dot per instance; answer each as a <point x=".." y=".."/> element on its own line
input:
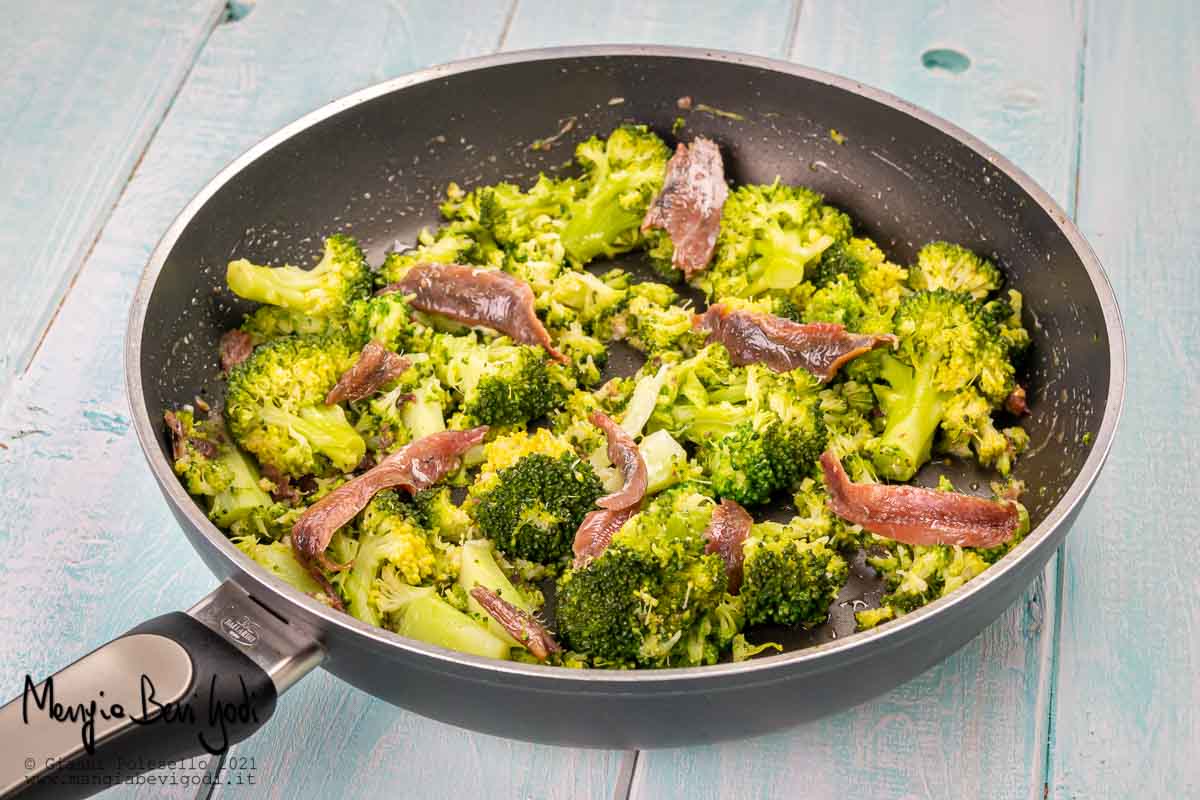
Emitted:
<point x="851" y="648"/>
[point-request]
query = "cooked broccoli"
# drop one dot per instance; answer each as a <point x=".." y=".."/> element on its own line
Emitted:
<point x="654" y="597"/>
<point x="656" y="324"/>
<point x="388" y="534"/>
<point x="497" y="382"/>
<point x="596" y="303"/>
<point x="769" y="236"/>
<point x="857" y="287"/>
<point x="967" y="427"/>
<point x="438" y="512"/>
<point x="531" y="495"/>
<point x="213" y="468"/>
<point x="480" y="568"/>
<point x="946" y="346"/>
<point x="275" y="406"/>
<point x="757" y="431"/>
<point x="941" y="265"/>
<point x="622" y="175"/>
<point x="790" y="576"/>
<point x="456" y="243"/>
<point x="280" y="560"/>
<point x="341" y="277"/>
<point x="919" y="574"/>
<point x="419" y="612"/>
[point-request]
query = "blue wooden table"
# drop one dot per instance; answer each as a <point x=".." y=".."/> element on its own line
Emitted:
<point x="113" y="114"/>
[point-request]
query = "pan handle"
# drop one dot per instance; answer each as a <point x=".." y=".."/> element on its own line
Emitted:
<point x="177" y="686"/>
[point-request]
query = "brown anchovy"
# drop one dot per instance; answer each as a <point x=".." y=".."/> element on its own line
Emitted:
<point x="596" y="532"/>
<point x="1016" y="402"/>
<point x="624" y="454"/>
<point x="236" y="346"/>
<point x="914" y="515"/>
<point x="782" y="345"/>
<point x="175" y="427"/>
<point x="283" y="492"/>
<point x="375" y="367"/>
<point x="725" y="535"/>
<point x="474" y="296"/>
<point x="519" y="623"/>
<point x="689" y="206"/>
<point x="414" y="467"/>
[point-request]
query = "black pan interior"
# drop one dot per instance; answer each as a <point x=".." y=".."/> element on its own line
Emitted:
<point x="377" y="170"/>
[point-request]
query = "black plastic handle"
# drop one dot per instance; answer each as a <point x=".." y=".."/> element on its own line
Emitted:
<point x="172" y="688"/>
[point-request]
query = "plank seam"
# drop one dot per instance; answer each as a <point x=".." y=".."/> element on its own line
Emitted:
<point x="1060" y="576"/>
<point x="507" y="27"/>
<point x="793" y="29"/>
<point x="215" y="17"/>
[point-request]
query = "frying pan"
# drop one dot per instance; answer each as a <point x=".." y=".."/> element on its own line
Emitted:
<point x="374" y="164"/>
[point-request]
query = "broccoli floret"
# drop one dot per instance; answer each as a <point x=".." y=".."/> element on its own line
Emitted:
<point x="456" y="243"/>
<point x="595" y="303"/>
<point x="280" y="560"/>
<point x="388" y="534"/>
<point x="856" y="286"/>
<point x="769" y="236"/>
<point x="790" y="576"/>
<point x="622" y="175"/>
<point x="438" y="513"/>
<point x="967" y="427"/>
<point x="756" y="431"/>
<point x="588" y="354"/>
<point x="532" y="494"/>
<point x="1004" y="315"/>
<point x="946" y="346"/>
<point x="656" y="324"/>
<point x="497" y="382"/>
<point x="654" y="597"/>
<point x="341" y="277"/>
<point x="200" y="468"/>
<point x="942" y="265"/>
<point x="412" y="409"/>
<point x="419" y="612"/>
<point x="660" y="251"/>
<point x="275" y="406"/>
<point x="919" y="574"/>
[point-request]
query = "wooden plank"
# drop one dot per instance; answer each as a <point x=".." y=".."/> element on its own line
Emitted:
<point x="759" y="27"/>
<point x="975" y="726"/>
<point x="90" y="548"/>
<point x="81" y="93"/>
<point x="1127" y="696"/>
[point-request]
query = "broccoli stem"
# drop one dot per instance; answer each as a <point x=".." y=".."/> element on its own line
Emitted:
<point x="326" y="430"/>
<point x="479" y="568"/>
<point x="914" y="408"/>
<point x="431" y="619"/>
<point x="243" y="495"/>
<point x="596" y="223"/>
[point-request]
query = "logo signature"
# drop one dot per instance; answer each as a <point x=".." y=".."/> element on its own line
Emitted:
<point x="242" y="630"/>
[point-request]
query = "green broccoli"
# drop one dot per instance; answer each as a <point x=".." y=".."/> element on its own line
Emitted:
<point x="769" y="236"/>
<point x="341" y="277"/>
<point x="622" y="175"/>
<point x="497" y="382"/>
<point x="456" y="243"/>
<point x="438" y="513"/>
<point x="946" y="346"/>
<point x="856" y="286"/>
<point x="531" y="495"/>
<point x="756" y="431"/>
<point x="212" y="468"/>
<point x="420" y="613"/>
<point x="942" y="265"/>
<point x="790" y="576"/>
<point x="275" y="406"/>
<point x="280" y="560"/>
<point x="654" y="597"/>
<point x="388" y="534"/>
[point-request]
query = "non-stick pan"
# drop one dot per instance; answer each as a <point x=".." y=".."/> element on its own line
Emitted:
<point x="374" y="165"/>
